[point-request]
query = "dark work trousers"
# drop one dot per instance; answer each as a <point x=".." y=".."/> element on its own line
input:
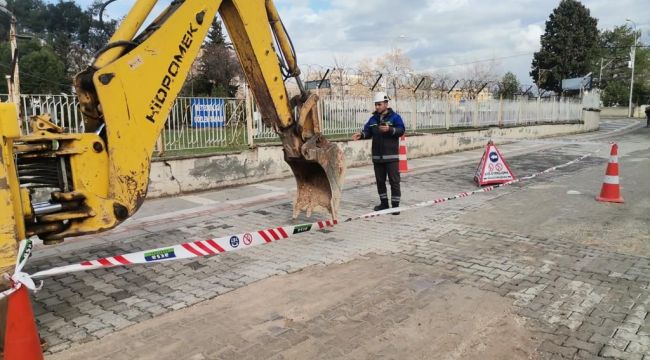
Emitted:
<point x="648" y="116"/>
<point x="392" y="170"/>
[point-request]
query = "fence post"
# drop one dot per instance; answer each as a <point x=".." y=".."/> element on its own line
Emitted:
<point x="447" y="113"/>
<point x="160" y="143"/>
<point x="415" y="113"/>
<point x="249" y="118"/>
<point x="519" y="112"/>
<point x="500" y="113"/>
<point x="475" y="121"/>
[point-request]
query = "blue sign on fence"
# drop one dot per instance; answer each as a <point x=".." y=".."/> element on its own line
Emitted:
<point x="208" y="112"/>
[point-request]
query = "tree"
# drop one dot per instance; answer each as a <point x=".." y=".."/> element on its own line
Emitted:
<point x="368" y="75"/>
<point x="427" y="81"/>
<point x="78" y="50"/>
<point x="42" y="72"/>
<point x="477" y="76"/>
<point x="641" y="94"/>
<point x="215" y="35"/>
<point x="395" y="66"/>
<point x="215" y="68"/>
<point x="95" y="32"/>
<point x="616" y="93"/>
<point x="615" y="55"/>
<point x="68" y="31"/>
<point x="569" y="46"/>
<point x="339" y="79"/>
<point x="51" y="78"/>
<point x="218" y="67"/>
<point x="72" y="33"/>
<point x="30" y="15"/>
<point x="508" y="86"/>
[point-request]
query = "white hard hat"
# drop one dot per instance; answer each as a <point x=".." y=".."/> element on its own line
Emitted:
<point x="380" y="97"/>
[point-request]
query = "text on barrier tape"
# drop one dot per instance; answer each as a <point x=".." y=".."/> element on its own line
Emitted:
<point x="192" y="249"/>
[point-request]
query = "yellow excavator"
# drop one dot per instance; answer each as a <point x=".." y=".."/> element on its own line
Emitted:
<point x="99" y="178"/>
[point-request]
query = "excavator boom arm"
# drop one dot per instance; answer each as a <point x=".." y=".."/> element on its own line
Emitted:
<point x="125" y="96"/>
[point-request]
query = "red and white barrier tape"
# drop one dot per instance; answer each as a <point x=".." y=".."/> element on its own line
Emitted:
<point x="19" y="278"/>
<point x="227" y="243"/>
<point x="192" y="249"/>
<point x="466" y="194"/>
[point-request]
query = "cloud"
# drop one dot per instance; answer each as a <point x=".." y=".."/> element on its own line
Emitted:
<point x="436" y="34"/>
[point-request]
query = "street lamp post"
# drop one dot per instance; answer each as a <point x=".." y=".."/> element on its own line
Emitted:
<point x="633" y="56"/>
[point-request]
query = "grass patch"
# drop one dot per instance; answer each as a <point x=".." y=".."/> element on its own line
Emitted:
<point x="205" y="141"/>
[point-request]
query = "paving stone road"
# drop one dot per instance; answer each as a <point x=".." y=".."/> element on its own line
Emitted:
<point x="577" y="271"/>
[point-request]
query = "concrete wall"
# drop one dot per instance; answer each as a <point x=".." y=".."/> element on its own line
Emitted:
<point x="637" y="111"/>
<point x="615" y="111"/>
<point x="175" y="176"/>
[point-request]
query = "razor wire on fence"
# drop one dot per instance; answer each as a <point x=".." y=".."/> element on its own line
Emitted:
<point x="400" y="81"/>
<point x="200" y="123"/>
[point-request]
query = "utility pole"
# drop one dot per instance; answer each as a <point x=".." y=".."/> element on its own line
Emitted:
<point x="8" y="77"/>
<point x="13" y="80"/>
<point x="14" y="63"/>
<point x="539" y="80"/>
<point x="632" y="56"/>
<point x="600" y="75"/>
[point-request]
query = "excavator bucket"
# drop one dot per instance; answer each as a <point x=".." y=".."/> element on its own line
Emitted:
<point x="320" y="170"/>
<point x="319" y="177"/>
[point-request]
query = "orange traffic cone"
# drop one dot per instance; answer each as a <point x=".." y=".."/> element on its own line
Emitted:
<point x="21" y="336"/>
<point x="403" y="164"/>
<point x="610" y="191"/>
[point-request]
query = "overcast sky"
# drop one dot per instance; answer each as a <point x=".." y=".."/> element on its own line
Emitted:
<point x="438" y="35"/>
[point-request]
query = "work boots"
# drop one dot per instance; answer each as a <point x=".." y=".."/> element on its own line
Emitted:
<point x="395" y="204"/>
<point x="382" y="206"/>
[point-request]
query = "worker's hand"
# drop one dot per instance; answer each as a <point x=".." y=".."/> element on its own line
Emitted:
<point x="384" y="128"/>
<point x="356" y="136"/>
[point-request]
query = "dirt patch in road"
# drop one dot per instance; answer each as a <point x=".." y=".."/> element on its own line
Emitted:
<point x="459" y="323"/>
<point x="367" y="308"/>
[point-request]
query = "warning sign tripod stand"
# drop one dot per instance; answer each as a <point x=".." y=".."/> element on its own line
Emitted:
<point x="493" y="168"/>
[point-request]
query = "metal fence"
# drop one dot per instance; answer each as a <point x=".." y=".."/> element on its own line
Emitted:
<point x="347" y="115"/>
<point x="226" y="125"/>
<point x="236" y="122"/>
<point x="64" y="110"/>
<point x="180" y="132"/>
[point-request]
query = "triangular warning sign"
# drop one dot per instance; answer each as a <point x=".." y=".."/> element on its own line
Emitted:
<point x="493" y="168"/>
